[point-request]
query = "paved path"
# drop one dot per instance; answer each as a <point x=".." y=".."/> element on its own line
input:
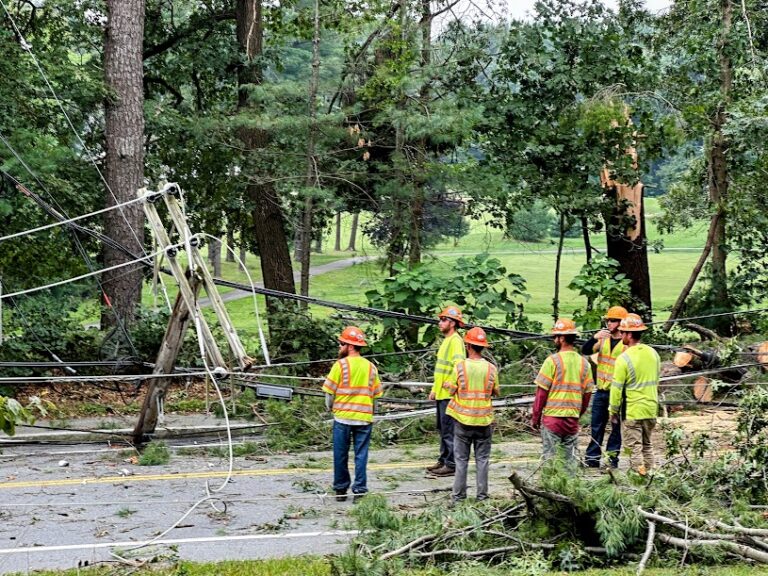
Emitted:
<point x="313" y="271"/>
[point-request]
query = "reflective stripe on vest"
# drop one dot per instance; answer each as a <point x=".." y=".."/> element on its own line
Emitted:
<point x="606" y="360"/>
<point x="471" y="401"/>
<point x="355" y="402"/>
<point x="567" y="388"/>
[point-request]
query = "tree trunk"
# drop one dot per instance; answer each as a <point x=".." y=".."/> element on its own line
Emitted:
<point x="319" y="244"/>
<point x="124" y="158"/>
<point x="558" y="259"/>
<point x="353" y="232"/>
<point x="627" y="244"/>
<point x="243" y="255"/>
<point x="337" y="241"/>
<point x="214" y="255"/>
<point x="311" y="178"/>
<point x="230" y="253"/>
<point x="718" y="163"/>
<point x="587" y="250"/>
<point x="268" y="221"/>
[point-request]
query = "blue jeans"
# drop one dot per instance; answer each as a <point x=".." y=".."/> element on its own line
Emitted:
<point x="360" y="437"/>
<point x="445" y="427"/>
<point x="600" y="419"/>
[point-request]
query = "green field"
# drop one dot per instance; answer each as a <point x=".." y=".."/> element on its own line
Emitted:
<point x="533" y="261"/>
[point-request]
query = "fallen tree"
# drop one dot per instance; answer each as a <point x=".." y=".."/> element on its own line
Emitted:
<point x="704" y="505"/>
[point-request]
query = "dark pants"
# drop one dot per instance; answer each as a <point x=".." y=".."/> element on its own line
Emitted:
<point x="464" y="438"/>
<point x="360" y="437"/>
<point x="445" y="427"/>
<point x="600" y="420"/>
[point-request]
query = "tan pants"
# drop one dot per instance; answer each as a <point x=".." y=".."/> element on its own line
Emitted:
<point x="636" y="435"/>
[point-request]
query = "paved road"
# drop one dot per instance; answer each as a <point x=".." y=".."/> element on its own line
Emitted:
<point x="57" y="517"/>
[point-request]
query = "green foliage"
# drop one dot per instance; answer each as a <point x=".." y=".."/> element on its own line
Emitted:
<point x="531" y="224"/>
<point x="13" y="413"/>
<point x="603" y="285"/>
<point x="155" y="453"/>
<point x="297" y="336"/>
<point x="480" y="286"/>
<point x="298" y="425"/>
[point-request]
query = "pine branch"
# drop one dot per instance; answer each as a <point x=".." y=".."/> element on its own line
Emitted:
<point x="648" y="547"/>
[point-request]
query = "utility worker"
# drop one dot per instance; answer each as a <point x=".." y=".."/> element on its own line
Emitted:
<point x="564" y="386"/>
<point x="473" y="382"/>
<point x="350" y="389"/>
<point x="451" y="351"/>
<point x="607" y="343"/>
<point x="635" y="394"/>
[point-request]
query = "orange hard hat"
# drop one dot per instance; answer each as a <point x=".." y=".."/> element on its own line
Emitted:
<point x="353" y="335"/>
<point x="452" y="312"/>
<point x="616" y="313"/>
<point x="632" y="323"/>
<point x="476" y="336"/>
<point x="563" y="327"/>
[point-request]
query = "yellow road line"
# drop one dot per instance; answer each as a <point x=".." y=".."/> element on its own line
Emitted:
<point x="214" y="474"/>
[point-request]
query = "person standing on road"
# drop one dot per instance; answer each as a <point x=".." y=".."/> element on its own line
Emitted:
<point x="350" y="389"/>
<point x="451" y="351"/>
<point x="473" y="382"/>
<point x="607" y="343"/>
<point x="563" y="388"/>
<point x="635" y="394"/>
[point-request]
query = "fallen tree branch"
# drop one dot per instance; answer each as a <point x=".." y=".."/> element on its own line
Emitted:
<point x="528" y="491"/>
<point x="705" y="333"/>
<point x="684" y="527"/>
<point x="735" y="548"/>
<point x="759" y="532"/>
<point x="648" y="547"/>
<point x="412" y="544"/>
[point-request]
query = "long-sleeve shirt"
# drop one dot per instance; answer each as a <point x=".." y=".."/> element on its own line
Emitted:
<point x="450" y="352"/>
<point x="636" y="377"/>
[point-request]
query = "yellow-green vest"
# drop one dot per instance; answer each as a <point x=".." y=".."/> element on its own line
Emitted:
<point x="451" y="351"/>
<point x="606" y="360"/>
<point x="472" y="388"/>
<point x="636" y="376"/>
<point x="567" y="376"/>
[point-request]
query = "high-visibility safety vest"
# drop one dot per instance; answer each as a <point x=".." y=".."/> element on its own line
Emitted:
<point x="567" y="376"/>
<point x="606" y="360"/>
<point x="354" y="383"/>
<point x="636" y="376"/>
<point x="471" y="386"/>
<point x="450" y="352"/>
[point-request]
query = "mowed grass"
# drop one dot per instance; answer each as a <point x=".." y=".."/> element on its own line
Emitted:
<point x="535" y="262"/>
<point x="317" y="566"/>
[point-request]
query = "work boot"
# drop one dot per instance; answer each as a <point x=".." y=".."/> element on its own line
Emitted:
<point x="359" y="496"/>
<point x="435" y="466"/>
<point x="341" y="495"/>
<point x="444" y="471"/>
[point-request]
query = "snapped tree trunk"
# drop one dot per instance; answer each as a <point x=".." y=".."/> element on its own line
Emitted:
<point x="124" y="156"/>
<point x="267" y="212"/>
<point x="626" y="242"/>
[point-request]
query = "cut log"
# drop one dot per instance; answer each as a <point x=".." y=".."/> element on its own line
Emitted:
<point x="762" y="356"/>
<point x="702" y="389"/>
<point x="686" y="360"/>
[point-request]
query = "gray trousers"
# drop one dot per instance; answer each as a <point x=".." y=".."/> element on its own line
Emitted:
<point x="550" y="442"/>
<point x="464" y="437"/>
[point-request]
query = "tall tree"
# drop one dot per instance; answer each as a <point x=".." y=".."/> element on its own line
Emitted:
<point x="124" y="159"/>
<point x="268" y="220"/>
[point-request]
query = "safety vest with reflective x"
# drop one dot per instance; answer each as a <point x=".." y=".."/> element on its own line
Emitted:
<point x="636" y="377"/>
<point x="451" y="351"/>
<point x="354" y="383"/>
<point x="472" y="385"/>
<point x="606" y="360"/>
<point x="567" y="376"/>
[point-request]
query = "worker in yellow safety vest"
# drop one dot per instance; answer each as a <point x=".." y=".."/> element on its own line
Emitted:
<point x="350" y="389"/>
<point x="635" y="394"/>
<point x="451" y="351"/>
<point x="473" y="382"/>
<point x="608" y="346"/>
<point x="563" y="388"/>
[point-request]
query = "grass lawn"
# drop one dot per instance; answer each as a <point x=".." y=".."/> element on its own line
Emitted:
<point x="315" y="566"/>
